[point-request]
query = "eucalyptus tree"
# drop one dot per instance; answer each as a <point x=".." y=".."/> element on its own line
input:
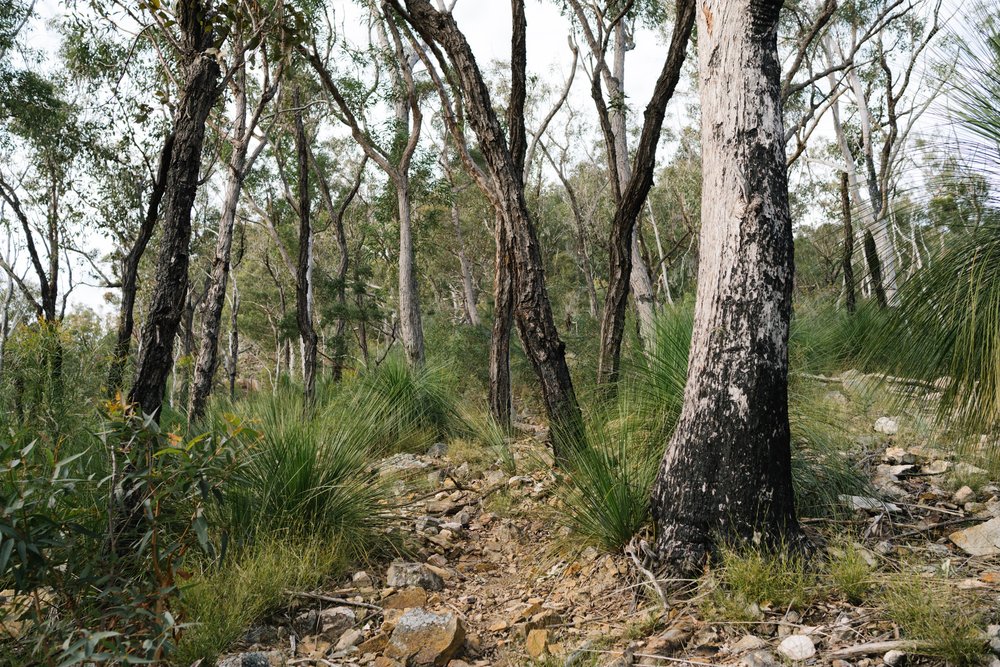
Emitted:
<point x="633" y="179"/>
<point x="726" y="473"/>
<point x="394" y="157"/>
<point x="193" y="35"/>
<point x="245" y="119"/>
<point x="443" y="47"/>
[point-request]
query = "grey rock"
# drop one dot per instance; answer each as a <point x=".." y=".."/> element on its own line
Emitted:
<point x="437" y="450"/>
<point x="407" y="575"/>
<point x="251" y="659"/>
<point x="894" y="658"/>
<point x="761" y="658"/>
<point x="887" y="426"/>
<point x="747" y="643"/>
<point x="335" y="621"/>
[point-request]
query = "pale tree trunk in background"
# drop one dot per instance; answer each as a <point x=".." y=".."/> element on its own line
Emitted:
<point x="659" y="252"/>
<point x="197" y="97"/>
<point x="879" y="229"/>
<point x="726" y="473"/>
<point x="303" y="275"/>
<point x="411" y="328"/>
<point x="468" y="287"/>
<point x="869" y="229"/>
<point x="409" y="118"/>
<point x="234" y="340"/>
<point x="641" y="285"/>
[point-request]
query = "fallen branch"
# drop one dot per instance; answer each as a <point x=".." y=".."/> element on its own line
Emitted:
<point x="332" y="600"/>
<point x="876" y="647"/>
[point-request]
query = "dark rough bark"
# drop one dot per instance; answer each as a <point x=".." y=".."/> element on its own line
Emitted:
<point x="130" y="274"/>
<point x="634" y="197"/>
<point x="726" y="473"/>
<point x="532" y="309"/>
<point x="500" y="400"/>
<point x="848" y="260"/>
<point x="197" y="97"/>
<point x="303" y="276"/>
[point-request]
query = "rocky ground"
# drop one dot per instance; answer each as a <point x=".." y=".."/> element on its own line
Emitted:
<point x="489" y="579"/>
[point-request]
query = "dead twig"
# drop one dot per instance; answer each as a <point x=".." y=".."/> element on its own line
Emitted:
<point x="332" y="600"/>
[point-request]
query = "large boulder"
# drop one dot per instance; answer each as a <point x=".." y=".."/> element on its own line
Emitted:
<point x="425" y="639"/>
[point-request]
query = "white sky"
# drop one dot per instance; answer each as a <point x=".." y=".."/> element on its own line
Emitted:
<point x="486" y="24"/>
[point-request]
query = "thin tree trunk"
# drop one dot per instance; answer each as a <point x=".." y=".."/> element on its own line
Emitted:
<point x="659" y="252"/>
<point x="303" y="278"/>
<point x="623" y="244"/>
<point x="234" y="340"/>
<point x="726" y="473"/>
<point x="468" y="288"/>
<point x="130" y="274"/>
<point x="411" y="328"/>
<point x="198" y="96"/>
<point x="848" y="260"/>
<point x="500" y="399"/>
<point x="211" y="318"/>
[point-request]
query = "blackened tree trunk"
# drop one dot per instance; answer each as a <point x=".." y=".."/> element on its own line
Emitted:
<point x="531" y="307"/>
<point x="727" y="470"/>
<point x="197" y="97"/>
<point x="303" y="273"/>
<point x="130" y="274"/>
<point x="848" y="259"/>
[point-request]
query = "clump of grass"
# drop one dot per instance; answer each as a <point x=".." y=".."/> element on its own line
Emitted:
<point x="221" y="602"/>
<point x="493" y="436"/>
<point x="605" y="482"/>
<point x="938" y="621"/>
<point x="411" y="408"/>
<point x="750" y="578"/>
<point x="822" y="469"/>
<point x="307" y="476"/>
<point x="850" y="573"/>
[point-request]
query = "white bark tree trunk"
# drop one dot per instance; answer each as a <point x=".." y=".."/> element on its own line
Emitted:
<point x="727" y="470"/>
<point x="468" y="286"/>
<point x="411" y="329"/>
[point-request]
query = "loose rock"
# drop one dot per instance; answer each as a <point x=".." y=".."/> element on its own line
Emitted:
<point x="797" y="647"/>
<point x="887" y="426"/>
<point x="413" y="575"/>
<point x="980" y="540"/>
<point x="425" y="639"/>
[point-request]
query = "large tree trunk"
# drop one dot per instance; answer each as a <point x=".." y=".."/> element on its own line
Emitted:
<point x="211" y="317"/>
<point x="198" y="96"/>
<point x="726" y="473"/>
<point x="411" y="328"/>
<point x="130" y="274"/>
<point x="303" y="275"/>
<point x="848" y="258"/>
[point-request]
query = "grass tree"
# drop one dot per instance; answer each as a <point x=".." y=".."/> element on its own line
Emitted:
<point x="727" y="469"/>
